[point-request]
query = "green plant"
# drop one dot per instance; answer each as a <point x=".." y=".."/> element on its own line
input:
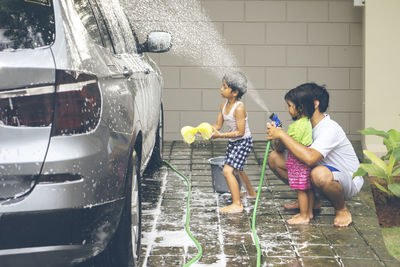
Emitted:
<point x="391" y="237"/>
<point x="385" y="167"/>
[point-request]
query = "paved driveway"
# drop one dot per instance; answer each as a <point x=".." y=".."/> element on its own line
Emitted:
<point x="227" y="239"/>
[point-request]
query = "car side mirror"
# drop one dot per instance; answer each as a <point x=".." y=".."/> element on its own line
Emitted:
<point x="157" y="42"/>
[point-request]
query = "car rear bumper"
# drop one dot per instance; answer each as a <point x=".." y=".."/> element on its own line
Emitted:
<point x="44" y="256"/>
<point x="57" y="237"/>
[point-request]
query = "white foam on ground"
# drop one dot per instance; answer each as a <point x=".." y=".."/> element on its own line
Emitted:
<point x="220" y="236"/>
<point x="150" y="237"/>
<point x="170" y="239"/>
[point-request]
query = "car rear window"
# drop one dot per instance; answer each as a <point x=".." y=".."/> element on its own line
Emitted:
<point x="26" y="24"/>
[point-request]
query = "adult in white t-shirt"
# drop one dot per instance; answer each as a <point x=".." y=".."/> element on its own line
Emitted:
<point x="331" y="156"/>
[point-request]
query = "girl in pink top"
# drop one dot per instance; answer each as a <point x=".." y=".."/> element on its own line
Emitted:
<point x="301" y="108"/>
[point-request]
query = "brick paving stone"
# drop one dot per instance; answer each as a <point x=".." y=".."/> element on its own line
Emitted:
<point x="227" y="239"/>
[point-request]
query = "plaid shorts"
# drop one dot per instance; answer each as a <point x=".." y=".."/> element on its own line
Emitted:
<point x="237" y="152"/>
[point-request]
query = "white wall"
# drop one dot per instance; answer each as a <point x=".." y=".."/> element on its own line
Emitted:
<point x="382" y="72"/>
<point x="279" y="44"/>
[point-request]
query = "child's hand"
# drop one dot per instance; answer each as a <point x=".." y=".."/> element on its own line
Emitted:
<point x="215" y="133"/>
<point x="273" y="132"/>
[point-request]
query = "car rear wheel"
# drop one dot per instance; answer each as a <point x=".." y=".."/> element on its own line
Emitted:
<point x="124" y="247"/>
<point x="135" y="212"/>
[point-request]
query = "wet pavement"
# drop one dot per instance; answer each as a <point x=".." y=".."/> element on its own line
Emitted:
<point x="227" y="239"/>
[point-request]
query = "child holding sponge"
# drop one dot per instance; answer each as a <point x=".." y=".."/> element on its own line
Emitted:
<point x="233" y="113"/>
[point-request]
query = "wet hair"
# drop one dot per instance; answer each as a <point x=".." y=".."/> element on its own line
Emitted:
<point x="303" y="100"/>
<point x="237" y="81"/>
<point x="319" y="93"/>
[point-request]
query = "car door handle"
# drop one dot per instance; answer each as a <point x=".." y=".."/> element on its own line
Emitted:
<point x="127" y="72"/>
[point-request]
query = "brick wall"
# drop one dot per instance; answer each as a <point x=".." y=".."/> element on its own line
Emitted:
<point x="278" y="44"/>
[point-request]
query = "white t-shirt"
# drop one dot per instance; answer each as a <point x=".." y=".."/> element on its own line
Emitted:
<point x="330" y="140"/>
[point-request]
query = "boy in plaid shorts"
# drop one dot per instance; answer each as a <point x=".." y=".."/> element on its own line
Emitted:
<point x="233" y="113"/>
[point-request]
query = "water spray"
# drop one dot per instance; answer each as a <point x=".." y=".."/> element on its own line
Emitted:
<point x="196" y="38"/>
<point x="278" y="123"/>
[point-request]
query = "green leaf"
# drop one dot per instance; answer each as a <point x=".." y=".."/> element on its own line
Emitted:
<point x="382" y="188"/>
<point x="359" y="172"/>
<point x="396" y="153"/>
<point x="375" y="159"/>
<point x="374" y="170"/>
<point x="372" y="131"/>
<point x="389" y="148"/>
<point x="367" y="160"/>
<point x="394" y="137"/>
<point x="396" y="170"/>
<point x="390" y="165"/>
<point x="391" y="142"/>
<point x="395" y="189"/>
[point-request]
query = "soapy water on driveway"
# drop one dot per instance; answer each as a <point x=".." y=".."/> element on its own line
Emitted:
<point x="227" y="239"/>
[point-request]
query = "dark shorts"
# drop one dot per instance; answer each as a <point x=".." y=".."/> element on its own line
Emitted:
<point x="237" y="152"/>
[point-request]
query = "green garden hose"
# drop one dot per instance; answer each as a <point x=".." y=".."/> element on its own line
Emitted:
<point x="199" y="248"/>
<point x="253" y="223"/>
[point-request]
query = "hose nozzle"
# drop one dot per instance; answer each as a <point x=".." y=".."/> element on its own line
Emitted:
<point x="275" y="118"/>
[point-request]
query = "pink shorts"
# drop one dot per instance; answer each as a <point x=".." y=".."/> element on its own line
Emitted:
<point x="298" y="173"/>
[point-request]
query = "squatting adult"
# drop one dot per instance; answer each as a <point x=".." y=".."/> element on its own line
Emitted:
<point x="331" y="156"/>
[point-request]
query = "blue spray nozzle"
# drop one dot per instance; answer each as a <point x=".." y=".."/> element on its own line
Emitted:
<point x="275" y="118"/>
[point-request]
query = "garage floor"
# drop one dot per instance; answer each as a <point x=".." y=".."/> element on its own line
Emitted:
<point x="227" y="239"/>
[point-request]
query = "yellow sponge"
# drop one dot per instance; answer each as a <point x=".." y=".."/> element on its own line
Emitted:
<point x="205" y="130"/>
<point x="189" y="132"/>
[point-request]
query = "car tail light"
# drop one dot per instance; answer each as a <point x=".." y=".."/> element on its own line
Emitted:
<point x="27" y="107"/>
<point x="77" y="103"/>
<point x="75" y="99"/>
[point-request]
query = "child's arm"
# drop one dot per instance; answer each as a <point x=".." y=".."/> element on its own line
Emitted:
<point x="240" y="116"/>
<point x="308" y="155"/>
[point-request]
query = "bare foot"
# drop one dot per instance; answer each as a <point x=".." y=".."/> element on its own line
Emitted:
<point x="295" y="205"/>
<point x="252" y="194"/>
<point x="233" y="208"/>
<point x="245" y="194"/>
<point x="311" y="216"/>
<point x="343" y="218"/>
<point x="298" y="219"/>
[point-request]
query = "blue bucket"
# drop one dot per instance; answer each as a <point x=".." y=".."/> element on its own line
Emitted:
<point x="218" y="179"/>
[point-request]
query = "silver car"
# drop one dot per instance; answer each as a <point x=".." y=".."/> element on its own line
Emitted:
<point x="80" y="119"/>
